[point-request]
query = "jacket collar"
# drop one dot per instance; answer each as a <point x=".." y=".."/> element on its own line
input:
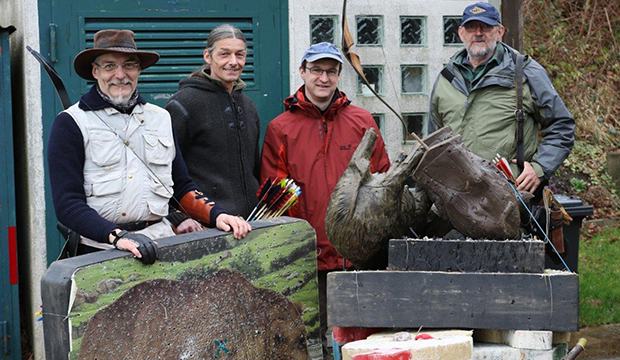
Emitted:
<point x="239" y="84"/>
<point x="501" y="74"/>
<point x="299" y="101"/>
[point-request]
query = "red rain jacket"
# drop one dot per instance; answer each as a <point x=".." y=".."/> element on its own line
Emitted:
<point x="314" y="149"/>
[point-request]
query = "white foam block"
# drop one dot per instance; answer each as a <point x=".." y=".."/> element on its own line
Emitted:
<point x="389" y="334"/>
<point x="520" y="339"/>
<point x="449" y="347"/>
<point x="504" y="352"/>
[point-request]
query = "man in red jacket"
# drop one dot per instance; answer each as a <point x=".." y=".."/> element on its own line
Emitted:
<point x="312" y="142"/>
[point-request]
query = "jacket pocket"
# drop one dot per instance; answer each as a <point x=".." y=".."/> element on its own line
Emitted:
<point x="102" y="184"/>
<point x="161" y="192"/>
<point x="105" y="148"/>
<point x="159" y="150"/>
<point x="157" y="207"/>
<point x="162" y="185"/>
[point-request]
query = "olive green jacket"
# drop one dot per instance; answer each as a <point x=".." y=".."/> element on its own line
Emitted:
<point x="485" y="116"/>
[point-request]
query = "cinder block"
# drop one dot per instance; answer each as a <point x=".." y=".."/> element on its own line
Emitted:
<point x="450" y="347"/>
<point x="520" y="339"/>
<point x="506" y="256"/>
<point x="504" y="352"/>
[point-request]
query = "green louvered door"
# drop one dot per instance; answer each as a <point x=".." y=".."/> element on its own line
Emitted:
<point x="177" y="30"/>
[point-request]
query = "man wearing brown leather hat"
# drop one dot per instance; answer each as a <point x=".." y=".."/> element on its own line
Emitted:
<point x="113" y="161"/>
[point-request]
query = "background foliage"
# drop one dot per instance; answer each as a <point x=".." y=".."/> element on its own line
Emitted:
<point x="578" y="42"/>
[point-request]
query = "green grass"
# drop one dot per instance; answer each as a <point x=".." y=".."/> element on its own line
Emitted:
<point x="599" y="273"/>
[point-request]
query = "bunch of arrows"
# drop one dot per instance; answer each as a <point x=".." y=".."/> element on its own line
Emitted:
<point x="275" y="197"/>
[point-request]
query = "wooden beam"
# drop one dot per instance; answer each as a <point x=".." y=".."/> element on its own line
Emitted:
<point x="409" y="299"/>
<point x="466" y="255"/>
<point x="512" y="19"/>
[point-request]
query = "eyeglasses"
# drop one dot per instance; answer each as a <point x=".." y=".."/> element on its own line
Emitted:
<point x="111" y="67"/>
<point x="317" y="71"/>
<point x="472" y="28"/>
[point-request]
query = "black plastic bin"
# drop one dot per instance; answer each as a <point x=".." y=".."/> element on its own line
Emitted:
<point x="575" y="208"/>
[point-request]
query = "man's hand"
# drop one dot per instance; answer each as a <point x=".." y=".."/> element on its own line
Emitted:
<point x="528" y="180"/>
<point x="188" y="225"/>
<point x="141" y="246"/>
<point x="237" y="225"/>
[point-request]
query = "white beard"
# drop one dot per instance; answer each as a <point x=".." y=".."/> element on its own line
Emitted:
<point x="479" y="54"/>
<point x="119" y="99"/>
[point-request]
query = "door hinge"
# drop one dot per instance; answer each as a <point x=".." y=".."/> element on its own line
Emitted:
<point x="4" y="331"/>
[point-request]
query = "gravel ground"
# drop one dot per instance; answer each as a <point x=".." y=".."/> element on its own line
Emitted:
<point x="603" y="342"/>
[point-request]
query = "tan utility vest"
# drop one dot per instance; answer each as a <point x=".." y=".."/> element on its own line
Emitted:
<point x="116" y="182"/>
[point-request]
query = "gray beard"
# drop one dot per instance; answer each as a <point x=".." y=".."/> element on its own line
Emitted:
<point x="481" y="54"/>
<point x="120" y="100"/>
<point x="122" y="106"/>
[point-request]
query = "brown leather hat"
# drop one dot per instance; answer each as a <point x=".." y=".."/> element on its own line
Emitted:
<point x="111" y="41"/>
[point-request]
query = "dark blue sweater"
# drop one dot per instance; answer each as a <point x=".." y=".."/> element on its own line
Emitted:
<point x="65" y="156"/>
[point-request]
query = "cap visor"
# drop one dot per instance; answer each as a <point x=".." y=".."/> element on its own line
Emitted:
<point x="483" y="19"/>
<point x="313" y="58"/>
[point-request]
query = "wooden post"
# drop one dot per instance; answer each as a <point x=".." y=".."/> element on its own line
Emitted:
<point x="512" y="18"/>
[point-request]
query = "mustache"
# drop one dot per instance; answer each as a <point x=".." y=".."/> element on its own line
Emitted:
<point x="119" y="82"/>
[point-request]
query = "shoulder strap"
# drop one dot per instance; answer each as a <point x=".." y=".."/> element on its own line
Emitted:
<point x="520" y="117"/>
<point x="447" y="74"/>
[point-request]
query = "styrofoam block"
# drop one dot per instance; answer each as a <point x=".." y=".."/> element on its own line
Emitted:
<point x="389" y="334"/>
<point x="521" y="339"/>
<point x="484" y="351"/>
<point x="449" y="347"/>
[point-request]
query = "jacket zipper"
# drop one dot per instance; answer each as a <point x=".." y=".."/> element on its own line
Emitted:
<point x="325" y="140"/>
<point x="238" y="123"/>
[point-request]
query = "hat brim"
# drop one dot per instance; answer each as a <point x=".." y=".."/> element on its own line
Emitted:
<point x="315" y="57"/>
<point x="83" y="61"/>
<point x="483" y="19"/>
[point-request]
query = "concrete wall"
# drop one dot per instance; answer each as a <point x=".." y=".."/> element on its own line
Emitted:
<point x="434" y="54"/>
<point x="30" y="175"/>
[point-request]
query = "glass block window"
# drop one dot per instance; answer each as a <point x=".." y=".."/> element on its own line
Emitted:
<point x="413" y="79"/>
<point x="451" y="30"/>
<point x="380" y="121"/>
<point x="412" y="30"/>
<point x="324" y="28"/>
<point x="415" y="122"/>
<point x="374" y="75"/>
<point x="369" y="30"/>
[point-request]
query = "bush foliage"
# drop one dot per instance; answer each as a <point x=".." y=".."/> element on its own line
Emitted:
<point x="578" y="42"/>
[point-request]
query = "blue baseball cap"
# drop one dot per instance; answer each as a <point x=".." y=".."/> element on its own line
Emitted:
<point x="321" y="51"/>
<point x="481" y="11"/>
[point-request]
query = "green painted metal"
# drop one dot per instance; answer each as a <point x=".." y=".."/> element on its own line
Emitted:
<point x="9" y="294"/>
<point x="177" y="30"/>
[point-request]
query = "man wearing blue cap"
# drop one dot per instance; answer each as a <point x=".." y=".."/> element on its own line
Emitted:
<point x="312" y="142"/>
<point x="477" y="95"/>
